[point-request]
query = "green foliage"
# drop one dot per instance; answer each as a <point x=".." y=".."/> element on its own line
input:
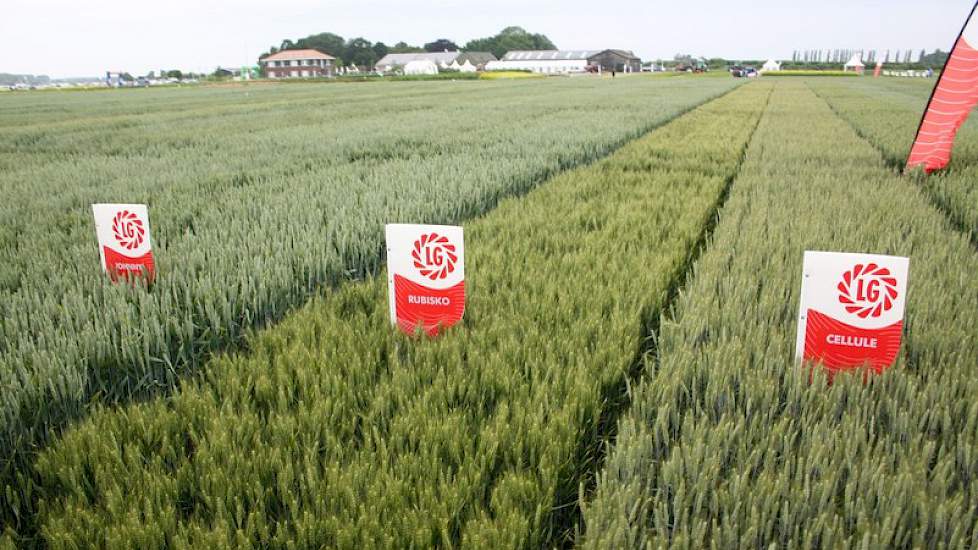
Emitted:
<point x="510" y="38"/>
<point x="335" y="429"/>
<point x="380" y="50"/>
<point x="360" y="52"/>
<point x="326" y="42"/>
<point x="258" y="197"/>
<point x="404" y="47"/>
<point x="936" y="59"/>
<point x="441" y="45"/>
<point x="727" y="444"/>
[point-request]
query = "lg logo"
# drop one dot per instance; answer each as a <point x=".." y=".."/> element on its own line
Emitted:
<point x="867" y="290"/>
<point x="434" y="256"/>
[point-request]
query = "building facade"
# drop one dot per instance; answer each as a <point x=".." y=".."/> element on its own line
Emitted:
<point x="543" y="61"/>
<point x="567" y="61"/>
<point x="620" y="61"/>
<point x="298" y="64"/>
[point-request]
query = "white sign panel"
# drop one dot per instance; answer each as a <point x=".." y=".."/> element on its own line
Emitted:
<point x="851" y="310"/>
<point x="124" y="240"/>
<point x="426" y="276"/>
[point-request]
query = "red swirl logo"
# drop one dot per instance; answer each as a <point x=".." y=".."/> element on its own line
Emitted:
<point x="434" y="256"/>
<point x="867" y="290"/>
<point x="128" y="229"/>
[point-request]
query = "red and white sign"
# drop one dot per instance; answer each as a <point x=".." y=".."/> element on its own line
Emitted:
<point x="950" y="102"/>
<point x="851" y="310"/>
<point x="426" y="276"/>
<point x="124" y="241"/>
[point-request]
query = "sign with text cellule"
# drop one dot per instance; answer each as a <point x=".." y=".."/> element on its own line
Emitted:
<point x="851" y="310"/>
<point x="124" y="241"/>
<point x="426" y="276"/>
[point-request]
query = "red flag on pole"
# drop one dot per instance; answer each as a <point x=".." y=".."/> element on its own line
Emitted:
<point x="950" y="103"/>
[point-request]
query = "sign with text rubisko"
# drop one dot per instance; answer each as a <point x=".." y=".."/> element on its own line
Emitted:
<point x="426" y="276"/>
<point x="124" y="241"/>
<point x="851" y="310"/>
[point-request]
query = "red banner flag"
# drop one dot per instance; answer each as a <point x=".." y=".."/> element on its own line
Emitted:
<point x="950" y="103"/>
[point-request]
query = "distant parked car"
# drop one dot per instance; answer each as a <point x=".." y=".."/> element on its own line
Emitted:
<point x="738" y="71"/>
<point x="694" y="66"/>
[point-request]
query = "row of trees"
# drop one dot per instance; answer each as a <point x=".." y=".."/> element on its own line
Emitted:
<point x="362" y="52"/>
<point x="869" y="56"/>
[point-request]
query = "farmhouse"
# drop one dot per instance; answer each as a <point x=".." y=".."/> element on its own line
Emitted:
<point x="298" y="64"/>
<point x="444" y="60"/>
<point x="568" y="61"/>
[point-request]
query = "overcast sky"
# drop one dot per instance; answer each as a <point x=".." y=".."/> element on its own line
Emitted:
<point x="64" y="38"/>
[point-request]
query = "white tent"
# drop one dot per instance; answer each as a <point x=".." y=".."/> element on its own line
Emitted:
<point x="455" y="66"/>
<point x="771" y="65"/>
<point x="855" y="63"/>
<point x="422" y="66"/>
<point x="467" y="67"/>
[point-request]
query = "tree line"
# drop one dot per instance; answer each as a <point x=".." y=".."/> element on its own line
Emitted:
<point x="904" y="57"/>
<point x="362" y="52"/>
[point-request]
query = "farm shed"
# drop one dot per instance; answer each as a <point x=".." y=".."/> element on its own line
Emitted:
<point x="298" y="64"/>
<point x="622" y="61"/>
<point x="567" y="61"/>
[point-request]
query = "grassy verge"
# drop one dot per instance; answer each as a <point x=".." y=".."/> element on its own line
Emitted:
<point x="505" y="75"/>
<point x="334" y="429"/>
<point x="810" y="73"/>
<point x="727" y="444"/>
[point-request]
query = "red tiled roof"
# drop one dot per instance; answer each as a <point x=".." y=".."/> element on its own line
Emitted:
<point x="297" y="54"/>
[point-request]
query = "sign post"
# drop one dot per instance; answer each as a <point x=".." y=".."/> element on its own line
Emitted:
<point x="425" y="276"/>
<point x="851" y="310"/>
<point x="124" y="240"/>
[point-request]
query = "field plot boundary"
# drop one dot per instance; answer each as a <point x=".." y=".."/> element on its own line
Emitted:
<point x="897" y="165"/>
<point x="22" y="454"/>
<point x="648" y="355"/>
<point x="565" y="274"/>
